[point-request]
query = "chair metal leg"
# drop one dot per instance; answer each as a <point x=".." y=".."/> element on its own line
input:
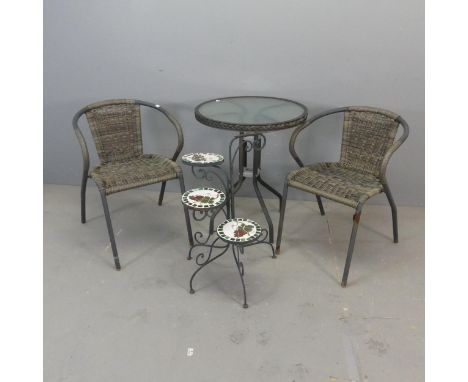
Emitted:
<point x="186" y="211"/>
<point x="281" y="219"/>
<point x="84" y="181"/>
<point x="319" y="202"/>
<point x="110" y="230"/>
<point x="394" y="212"/>
<point x="352" y="240"/>
<point x="161" y="193"/>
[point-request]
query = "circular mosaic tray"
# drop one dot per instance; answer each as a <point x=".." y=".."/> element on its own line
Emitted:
<point x="202" y="159"/>
<point x="239" y="230"/>
<point x="203" y="198"/>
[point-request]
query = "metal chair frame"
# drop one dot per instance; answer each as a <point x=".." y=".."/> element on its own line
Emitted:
<point x="357" y="214"/>
<point x="86" y="165"/>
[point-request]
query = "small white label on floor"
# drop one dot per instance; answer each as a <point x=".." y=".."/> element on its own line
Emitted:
<point x="189" y="352"/>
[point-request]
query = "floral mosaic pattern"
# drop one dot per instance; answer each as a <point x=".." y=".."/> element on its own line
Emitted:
<point x="202" y="159"/>
<point x="243" y="229"/>
<point x="203" y="198"/>
<point x="239" y="230"/>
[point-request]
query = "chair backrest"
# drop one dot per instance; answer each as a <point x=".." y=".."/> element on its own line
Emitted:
<point x="368" y="133"/>
<point x="116" y="129"/>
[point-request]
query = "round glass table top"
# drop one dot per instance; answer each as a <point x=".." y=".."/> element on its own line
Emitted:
<point x="251" y="113"/>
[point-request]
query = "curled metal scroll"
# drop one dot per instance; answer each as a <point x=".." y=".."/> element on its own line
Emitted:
<point x="209" y="174"/>
<point x="257" y="142"/>
<point x="202" y="214"/>
<point x="202" y="259"/>
<point x="248" y="144"/>
<point x="261" y="239"/>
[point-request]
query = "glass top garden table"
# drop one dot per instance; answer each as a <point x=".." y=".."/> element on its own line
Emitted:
<point x="250" y="116"/>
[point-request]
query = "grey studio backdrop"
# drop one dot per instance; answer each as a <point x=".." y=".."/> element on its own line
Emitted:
<point x="179" y="53"/>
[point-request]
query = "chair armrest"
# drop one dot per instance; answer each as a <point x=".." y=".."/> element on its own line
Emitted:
<point x="392" y="149"/>
<point x="174" y="122"/>
<point x="81" y="141"/>
<point x="292" y="140"/>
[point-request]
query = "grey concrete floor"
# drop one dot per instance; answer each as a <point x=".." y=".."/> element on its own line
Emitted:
<point x="139" y="324"/>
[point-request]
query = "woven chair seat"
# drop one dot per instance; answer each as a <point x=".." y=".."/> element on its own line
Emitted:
<point x="143" y="170"/>
<point x="336" y="182"/>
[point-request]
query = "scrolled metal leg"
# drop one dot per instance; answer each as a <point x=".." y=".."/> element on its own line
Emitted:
<point x="186" y="212"/>
<point x="281" y="219"/>
<point x="202" y="262"/>
<point x="240" y="268"/>
<point x="161" y="193"/>
<point x="356" y="218"/>
<point x="319" y="202"/>
<point x="110" y="230"/>
<point x="394" y="212"/>
<point x="212" y="219"/>
<point x="84" y="181"/>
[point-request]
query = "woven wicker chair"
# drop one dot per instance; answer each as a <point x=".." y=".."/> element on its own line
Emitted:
<point x="368" y="142"/>
<point x="116" y="129"/>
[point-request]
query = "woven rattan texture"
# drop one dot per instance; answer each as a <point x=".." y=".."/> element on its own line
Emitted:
<point x="367" y="136"/>
<point x="336" y="182"/>
<point x="250" y="128"/>
<point x="136" y="172"/>
<point x="116" y="129"/>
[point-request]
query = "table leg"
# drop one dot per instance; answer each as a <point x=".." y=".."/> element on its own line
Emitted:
<point x="240" y="180"/>
<point x="270" y="188"/>
<point x="257" y="148"/>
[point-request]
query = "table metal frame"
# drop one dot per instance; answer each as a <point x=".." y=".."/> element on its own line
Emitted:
<point x="248" y="142"/>
<point x="250" y="138"/>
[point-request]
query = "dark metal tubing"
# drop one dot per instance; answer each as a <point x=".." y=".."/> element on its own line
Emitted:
<point x="282" y="212"/>
<point x="208" y="260"/>
<point x="257" y="155"/>
<point x="206" y="172"/>
<point x="216" y="212"/>
<point x="319" y="202"/>
<point x="352" y="240"/>
<point x="393" y="207"/>
<point x="260" y="240"/>
<point x="296" y="132"/>
<point x="263" y="182"/>
<point x="186" y="212"/>
<point x="84" y="181"/>
<point x="244" y="146"/>
<point x="357" y="215"/>
<point x="85" y="154"/>
<point x="86" y="164"/>
<point x="110" y="230"/>
<point x="270" y="188"/>
<point x="242" y="156"/>
<point x="180" y="138"/>
<point x="237" y="249"/>
<point x="161" y="193"/>
<point x="240" y="268"/>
